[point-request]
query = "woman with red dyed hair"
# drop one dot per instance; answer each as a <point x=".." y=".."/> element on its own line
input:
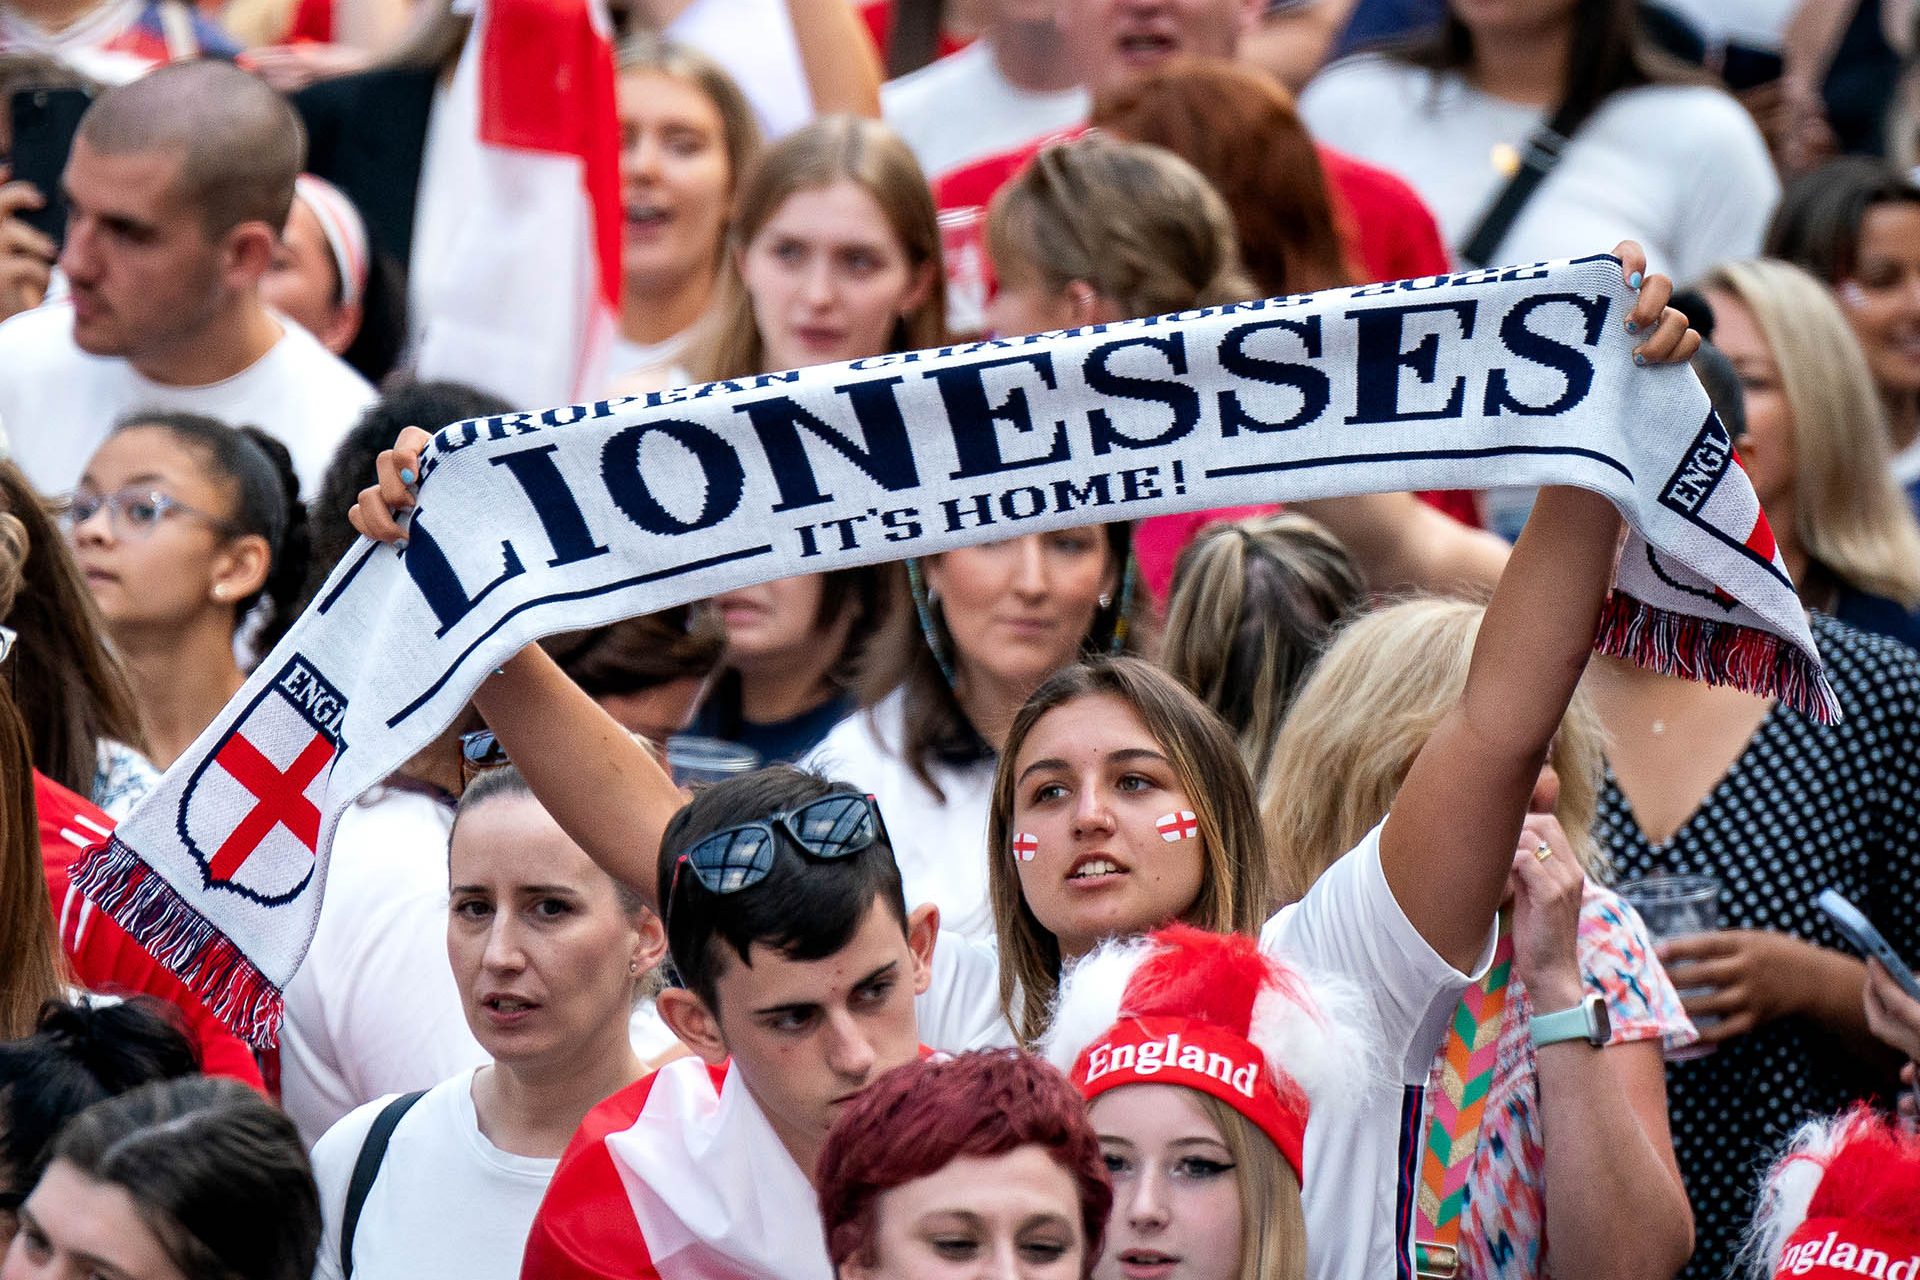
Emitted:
<point x="982" y="1165"/>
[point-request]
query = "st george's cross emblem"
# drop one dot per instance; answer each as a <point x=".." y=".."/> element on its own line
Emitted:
<point x="1178" y="825"/>
<point x="250" y="815"/>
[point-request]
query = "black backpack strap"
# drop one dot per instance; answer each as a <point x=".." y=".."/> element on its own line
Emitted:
<point x="365" y="1169"/>
<point x="1543" y="151"/>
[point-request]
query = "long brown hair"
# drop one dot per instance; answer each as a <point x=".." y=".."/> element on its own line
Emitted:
<point x="1239" y="128"/>
<point x="1234" y="892"/>
<point x="30" y="966"/>
<point x="1137" y="223"/>
<point x="1606" y="55"/>
<point x="829" y="150"/>
<point x="70" y="689"/>
<point x="1253" y="605"/>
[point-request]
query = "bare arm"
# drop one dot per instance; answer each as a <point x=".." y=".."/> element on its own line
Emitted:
<point x="1603" y="1112"/>
<point x="1448" y="844"/>
<point x="843" y="71"/>
<point x="1403" y="544"/>
<point x="605" y="790"/>
<point x="1603" y="1122"/>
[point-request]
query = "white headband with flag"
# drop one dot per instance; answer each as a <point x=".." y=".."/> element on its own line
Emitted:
<point x="534" y="523"/>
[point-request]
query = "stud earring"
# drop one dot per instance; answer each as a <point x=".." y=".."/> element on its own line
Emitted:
<point x="219" y="593"/>
<point x="1106" y="600"/>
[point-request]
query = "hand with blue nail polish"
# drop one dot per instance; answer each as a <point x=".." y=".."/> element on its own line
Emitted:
<point x="382" y="510"/>
<point x="1663" y="332"/>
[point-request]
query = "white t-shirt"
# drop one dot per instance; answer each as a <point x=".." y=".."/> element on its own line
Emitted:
<point x="1362" y="1151"/>
<point x="59" y="402"/>
<point x="960" y="1009"/>
<point x="961" y="109"/>
<point x="940" y="844"/>
<point x="446" y="1202"/>
<point x="753" y="41"/>
<point x="1680" y="168"/>
<point x="373" y="1009"/>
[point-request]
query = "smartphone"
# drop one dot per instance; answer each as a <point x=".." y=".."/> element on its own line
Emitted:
<point x="1860" y="932"/>
<point x="44" y="122"/>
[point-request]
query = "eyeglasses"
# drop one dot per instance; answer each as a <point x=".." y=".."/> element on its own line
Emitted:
<point x="134" y="512"/>
<point x="479" y="752"/>
<point x="830" y="828"/>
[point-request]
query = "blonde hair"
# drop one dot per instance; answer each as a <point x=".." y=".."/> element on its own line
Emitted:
<point x="1849" y="514"/>
<point x="1254" y="603"/>
<point x="1234" y="894"/>
<point x="1273" y="1223"/>
<point x="32" y="971"/>
<point x="1137" y="223"/>
<point x="831" y="149"/>
<point x="1379" y="692"/>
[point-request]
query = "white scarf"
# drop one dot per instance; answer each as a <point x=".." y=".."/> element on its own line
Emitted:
<point x="530" y="524"/>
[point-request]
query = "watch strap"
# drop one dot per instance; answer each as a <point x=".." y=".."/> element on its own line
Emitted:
<point x="1568" y="1024"/>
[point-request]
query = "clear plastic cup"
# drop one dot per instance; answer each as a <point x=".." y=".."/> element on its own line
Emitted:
<point x="1678" y="906"/>
<point x="693" y="760"/>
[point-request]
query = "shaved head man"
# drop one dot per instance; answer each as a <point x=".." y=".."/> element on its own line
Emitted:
<point x="179" y="186"/>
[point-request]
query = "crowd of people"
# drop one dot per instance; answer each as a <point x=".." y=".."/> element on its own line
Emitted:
<point x="1265" y="893"/>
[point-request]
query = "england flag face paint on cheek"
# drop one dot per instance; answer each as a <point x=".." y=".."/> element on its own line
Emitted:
<point x="1025" y="846"/>
<point x="1178" y="825"/>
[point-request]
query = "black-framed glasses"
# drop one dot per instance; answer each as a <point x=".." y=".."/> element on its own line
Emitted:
<point x="134" y="512"/>
<point x="736" y="858"/>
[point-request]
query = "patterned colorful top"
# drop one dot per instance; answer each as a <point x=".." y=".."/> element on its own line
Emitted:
<point x="1503" y="1227"/>
<point x="121" y="40"/>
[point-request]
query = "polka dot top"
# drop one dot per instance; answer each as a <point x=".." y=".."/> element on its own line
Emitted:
<point x="1804" y="807"/>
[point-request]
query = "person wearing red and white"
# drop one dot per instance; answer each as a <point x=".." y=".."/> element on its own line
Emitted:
<point x="1008" y="89"/>
<point x="1842" y="1201"/>
<point x="1202" y="1060"/>
<point x="1390" y="232"/>
<point x="550" y="955"/>
<point x="104" y="957"/>
<point x="801" y="964"/>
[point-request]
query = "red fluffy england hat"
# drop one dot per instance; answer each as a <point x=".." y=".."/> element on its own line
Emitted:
<point x="1841" y="1203"/>
<point x="1214" y="1013"/>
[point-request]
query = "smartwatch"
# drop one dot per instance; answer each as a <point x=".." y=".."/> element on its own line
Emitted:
<point x="1587" y="1021"/>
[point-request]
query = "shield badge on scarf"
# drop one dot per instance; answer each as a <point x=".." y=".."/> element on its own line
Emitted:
<point x="251" y="814"/>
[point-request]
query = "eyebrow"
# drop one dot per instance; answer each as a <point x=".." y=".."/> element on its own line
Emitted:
<point x="801" y="1006"/>
<point x="529" y="890"/>
<point x="91" y="1261"/>
<point x="1126" y="755"/>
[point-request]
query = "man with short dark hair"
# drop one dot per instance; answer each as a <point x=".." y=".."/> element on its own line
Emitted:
<point x="179" y="186"/>
<point x="801" y="963"/>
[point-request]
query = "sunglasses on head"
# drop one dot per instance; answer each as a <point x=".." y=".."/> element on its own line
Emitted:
<point x="736" y="858"/>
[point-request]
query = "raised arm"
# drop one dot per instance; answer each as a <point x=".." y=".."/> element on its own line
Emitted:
<point x="1402" y="544"/>
<point x="606" y="791"/>
<point x="1449" y="842"/>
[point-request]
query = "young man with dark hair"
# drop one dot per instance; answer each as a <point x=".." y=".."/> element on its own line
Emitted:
<point x="801" y="963"/>
<point x="178" y="188"/>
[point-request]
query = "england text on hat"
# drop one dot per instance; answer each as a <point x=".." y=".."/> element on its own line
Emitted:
<point x="1150" y="1056"/>
<point x="1842" y="1255"/>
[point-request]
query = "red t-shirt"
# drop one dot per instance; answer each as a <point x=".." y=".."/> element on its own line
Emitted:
<point x="105" y="958"/>
<point x="1387" y="230"/>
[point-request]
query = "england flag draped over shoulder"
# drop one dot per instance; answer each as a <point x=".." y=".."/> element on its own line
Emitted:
<point x="517" y="260"/>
